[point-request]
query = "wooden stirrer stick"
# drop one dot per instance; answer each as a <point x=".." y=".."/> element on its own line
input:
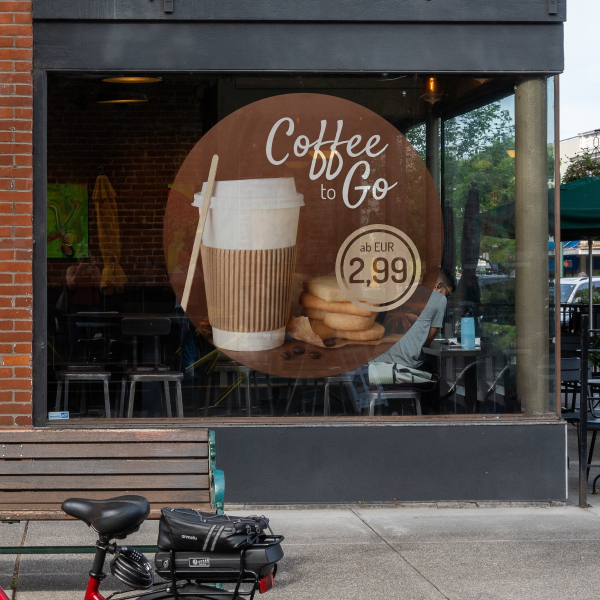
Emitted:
<point x="208" y="192"/>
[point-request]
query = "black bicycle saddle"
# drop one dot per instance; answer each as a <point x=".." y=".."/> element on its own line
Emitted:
<point x="113" y="517"/>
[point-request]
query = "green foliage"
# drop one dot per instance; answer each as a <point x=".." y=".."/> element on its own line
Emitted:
<point x="583" y="296"/>
<point x="584" y="166"/>
<point x="477" y="147"/>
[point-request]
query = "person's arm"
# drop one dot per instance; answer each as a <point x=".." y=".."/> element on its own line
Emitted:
<point x="71" y="275"/>
<point x="433" y="331"/>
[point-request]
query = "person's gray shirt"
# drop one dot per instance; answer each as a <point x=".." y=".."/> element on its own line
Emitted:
<point x="407" y="351"/>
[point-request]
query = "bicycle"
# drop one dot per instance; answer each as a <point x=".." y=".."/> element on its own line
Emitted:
<point x="186" y="575"/>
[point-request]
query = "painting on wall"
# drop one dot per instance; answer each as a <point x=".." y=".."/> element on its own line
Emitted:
<point x="67" y="227"/>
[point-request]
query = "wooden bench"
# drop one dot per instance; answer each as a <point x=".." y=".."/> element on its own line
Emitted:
<point x="40" y="468"/>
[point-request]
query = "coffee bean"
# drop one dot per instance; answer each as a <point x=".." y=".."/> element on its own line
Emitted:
<point x="315" y="354"/>
<point x="329" y="343"/>
<point x="286" y="355"/>
<point x="298" y="350"/>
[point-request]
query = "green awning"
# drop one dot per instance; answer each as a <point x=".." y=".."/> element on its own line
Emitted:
<point x="579" y="212"/>
<point x="580" y="209"/>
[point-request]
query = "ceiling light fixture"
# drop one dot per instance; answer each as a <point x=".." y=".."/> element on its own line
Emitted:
<point x="132" y="79"/>
<point x="122" y="98"/>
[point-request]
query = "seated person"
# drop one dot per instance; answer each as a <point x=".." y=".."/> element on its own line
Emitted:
<point x="407" y="351"/>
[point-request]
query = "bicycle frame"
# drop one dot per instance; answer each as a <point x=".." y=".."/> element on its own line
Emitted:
<point x="3" y="596"/>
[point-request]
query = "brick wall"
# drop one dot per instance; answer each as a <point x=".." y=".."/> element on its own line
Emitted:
<point x="16" y="112"/>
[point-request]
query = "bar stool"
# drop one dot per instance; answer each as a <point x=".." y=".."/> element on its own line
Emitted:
<point x="83" y="375"/>
<point x="156" y="373"/>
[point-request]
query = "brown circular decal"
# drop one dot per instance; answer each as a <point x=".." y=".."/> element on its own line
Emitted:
<point x="322" y="240"/>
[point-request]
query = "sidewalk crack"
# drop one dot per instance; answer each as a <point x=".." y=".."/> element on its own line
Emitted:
<point x="415" y="569"/>
<point x="15" y="575"/>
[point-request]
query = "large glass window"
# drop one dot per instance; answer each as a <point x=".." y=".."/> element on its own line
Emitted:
<point x="126" y="167"/>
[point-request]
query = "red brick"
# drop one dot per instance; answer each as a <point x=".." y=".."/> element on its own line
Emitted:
<point x="6" y="396"/>
<point x="15" y="313"/>
<point x="24" y="348"/>
<point x="15" y="78"/>
<point x="23" y="278"/>
<point x="23" y="325"/>
<point x="22" y="396"/>
<point x="23" y="42"/>
<point x="6" y="301"/>
<point x="22" y="66"/>
<point x="6" y="278"/>
<point x="23" y="159"/>
<point x="23" y="137"/>
<point x="6" y="373"/>
<point x="23" y="420"/>
<point x="18" y="384"/>
<point x="6" y="421"/>
<point x="22" y="372"/>
<point x="14" y="266"/>
<point x="23" y="301"/>
<point x="15" y="196"/>
<point x="18" y="29"/>
<point x="23" y="254"/>
<point x="15" y="290"/>
<point x="14" y="359"/>
<point x="23" y="208"/>
<point x="6" y="42"/>
<point x="25" y="89"/>
<point x="15" y="336"/>
<point x="16" y="54"/>
<point x="6" y="254"/>
<point x="23" y="17"/>
<point x="23" y="6"/>
<point x="6" y="18"/>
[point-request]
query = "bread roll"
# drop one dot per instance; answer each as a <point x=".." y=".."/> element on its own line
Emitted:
<point x="324" y="332"/>
<point x="326" y="288"/>
<point x="313" y="313"/>
<point x="348" y="322"/>
<point x="375" y="332"/>
<point x="347" y="308"/>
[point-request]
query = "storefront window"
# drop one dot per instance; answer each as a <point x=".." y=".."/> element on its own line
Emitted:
<point x="337" y="201"/>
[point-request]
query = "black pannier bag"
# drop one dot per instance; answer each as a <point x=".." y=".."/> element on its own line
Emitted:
<point x="185" y="529"/>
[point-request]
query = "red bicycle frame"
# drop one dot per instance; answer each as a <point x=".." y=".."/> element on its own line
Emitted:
<point x="3" y="596"/>
<point x="92" y="593"/>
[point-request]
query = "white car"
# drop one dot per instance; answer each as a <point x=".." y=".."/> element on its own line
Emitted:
<point x="569" y="286"/>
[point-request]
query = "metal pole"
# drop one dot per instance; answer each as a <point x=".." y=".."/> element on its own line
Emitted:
<point x="583" y="454"/>
<point x="590" y="271"/>
<point x="558" y="247"/>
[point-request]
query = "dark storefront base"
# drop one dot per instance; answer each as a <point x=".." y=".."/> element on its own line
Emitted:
<point x="507" y="462"/>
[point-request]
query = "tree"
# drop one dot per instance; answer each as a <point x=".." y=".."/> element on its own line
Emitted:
<point x="586" y="165"/>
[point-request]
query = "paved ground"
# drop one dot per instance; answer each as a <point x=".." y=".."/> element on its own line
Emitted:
<point x="412" y="553"/>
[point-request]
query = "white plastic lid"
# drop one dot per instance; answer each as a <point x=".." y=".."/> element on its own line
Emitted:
<point x="253" y="194"/>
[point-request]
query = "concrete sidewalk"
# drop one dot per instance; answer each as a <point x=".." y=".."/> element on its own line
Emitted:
<point x="414" y="553"/>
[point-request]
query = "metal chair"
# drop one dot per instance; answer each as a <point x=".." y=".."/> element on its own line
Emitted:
<point x="155" y="327"/>
<point x="374" y="395"/>
<point x="570" y="375"/>
<point x="83" y="374"/>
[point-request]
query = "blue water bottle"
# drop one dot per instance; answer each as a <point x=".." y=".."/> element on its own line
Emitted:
<point x="467" y="330"/>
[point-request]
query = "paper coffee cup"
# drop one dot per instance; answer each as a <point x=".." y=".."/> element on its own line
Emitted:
<point x="248" y="257"/>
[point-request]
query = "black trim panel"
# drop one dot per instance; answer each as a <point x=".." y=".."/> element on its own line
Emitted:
<point x="512" y="462"/>
<point x="304" y="10"/>
<point x="243" y="47"/>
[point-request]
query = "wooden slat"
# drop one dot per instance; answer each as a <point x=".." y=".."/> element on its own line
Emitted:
<point x="100" y="436"/>
<point x="27" y="498"/>
<point x="118" y="482"/>
<point x="48" y="514"/>
<point x="98" y="450"/>
<point x="104" y="467"/>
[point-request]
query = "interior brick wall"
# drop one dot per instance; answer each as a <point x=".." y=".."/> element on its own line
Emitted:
<point x="16" y="112"/>
<point x="139" y="147"/>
